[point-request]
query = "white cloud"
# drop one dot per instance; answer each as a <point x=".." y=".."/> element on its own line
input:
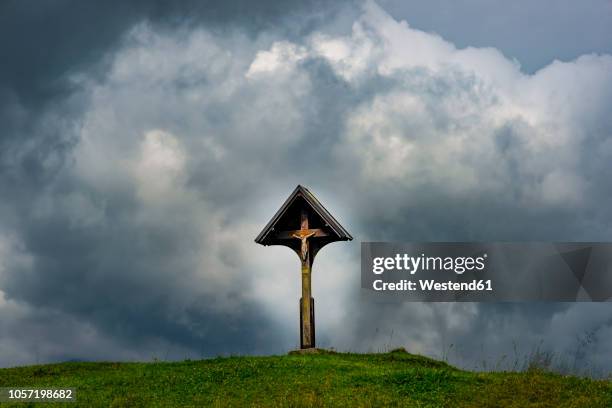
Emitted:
<point x="281" y="58"/>
<point x="160" y="170"/>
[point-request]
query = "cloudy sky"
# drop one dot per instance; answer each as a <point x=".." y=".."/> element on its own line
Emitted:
<point x="144" y="145"/>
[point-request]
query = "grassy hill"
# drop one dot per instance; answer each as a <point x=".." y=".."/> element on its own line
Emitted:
<point x="319" y="379"/>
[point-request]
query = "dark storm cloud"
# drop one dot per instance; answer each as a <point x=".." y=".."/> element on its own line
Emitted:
<point x="44" y="42"/>
<point x="44" y="45"/>
<point x="106" y="267"/>
<point x="127" y="277"/>
<point x="142" y="162"/>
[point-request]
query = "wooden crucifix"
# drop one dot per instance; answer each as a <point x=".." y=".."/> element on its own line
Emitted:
<point x="304" y="225"/>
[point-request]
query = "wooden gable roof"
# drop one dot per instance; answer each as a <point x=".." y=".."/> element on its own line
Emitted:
<point x="337" y="231"/>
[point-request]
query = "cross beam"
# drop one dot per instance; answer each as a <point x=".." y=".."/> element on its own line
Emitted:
<point x="318" y="232"/>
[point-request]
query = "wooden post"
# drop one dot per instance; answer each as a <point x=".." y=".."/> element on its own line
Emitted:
<point x="312" y="327"/>
<point x="307" y="308"/>
<point x="307" y="325"/>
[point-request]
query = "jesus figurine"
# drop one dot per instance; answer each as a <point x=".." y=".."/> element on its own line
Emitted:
<point x="303" y="238"/>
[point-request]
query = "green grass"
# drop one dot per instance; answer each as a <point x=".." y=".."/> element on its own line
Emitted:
<point x="304" y="380"/>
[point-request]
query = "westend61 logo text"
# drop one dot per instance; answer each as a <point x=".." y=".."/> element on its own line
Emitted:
<point x="487" y="271"/>
<point x="413" y="264"/>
